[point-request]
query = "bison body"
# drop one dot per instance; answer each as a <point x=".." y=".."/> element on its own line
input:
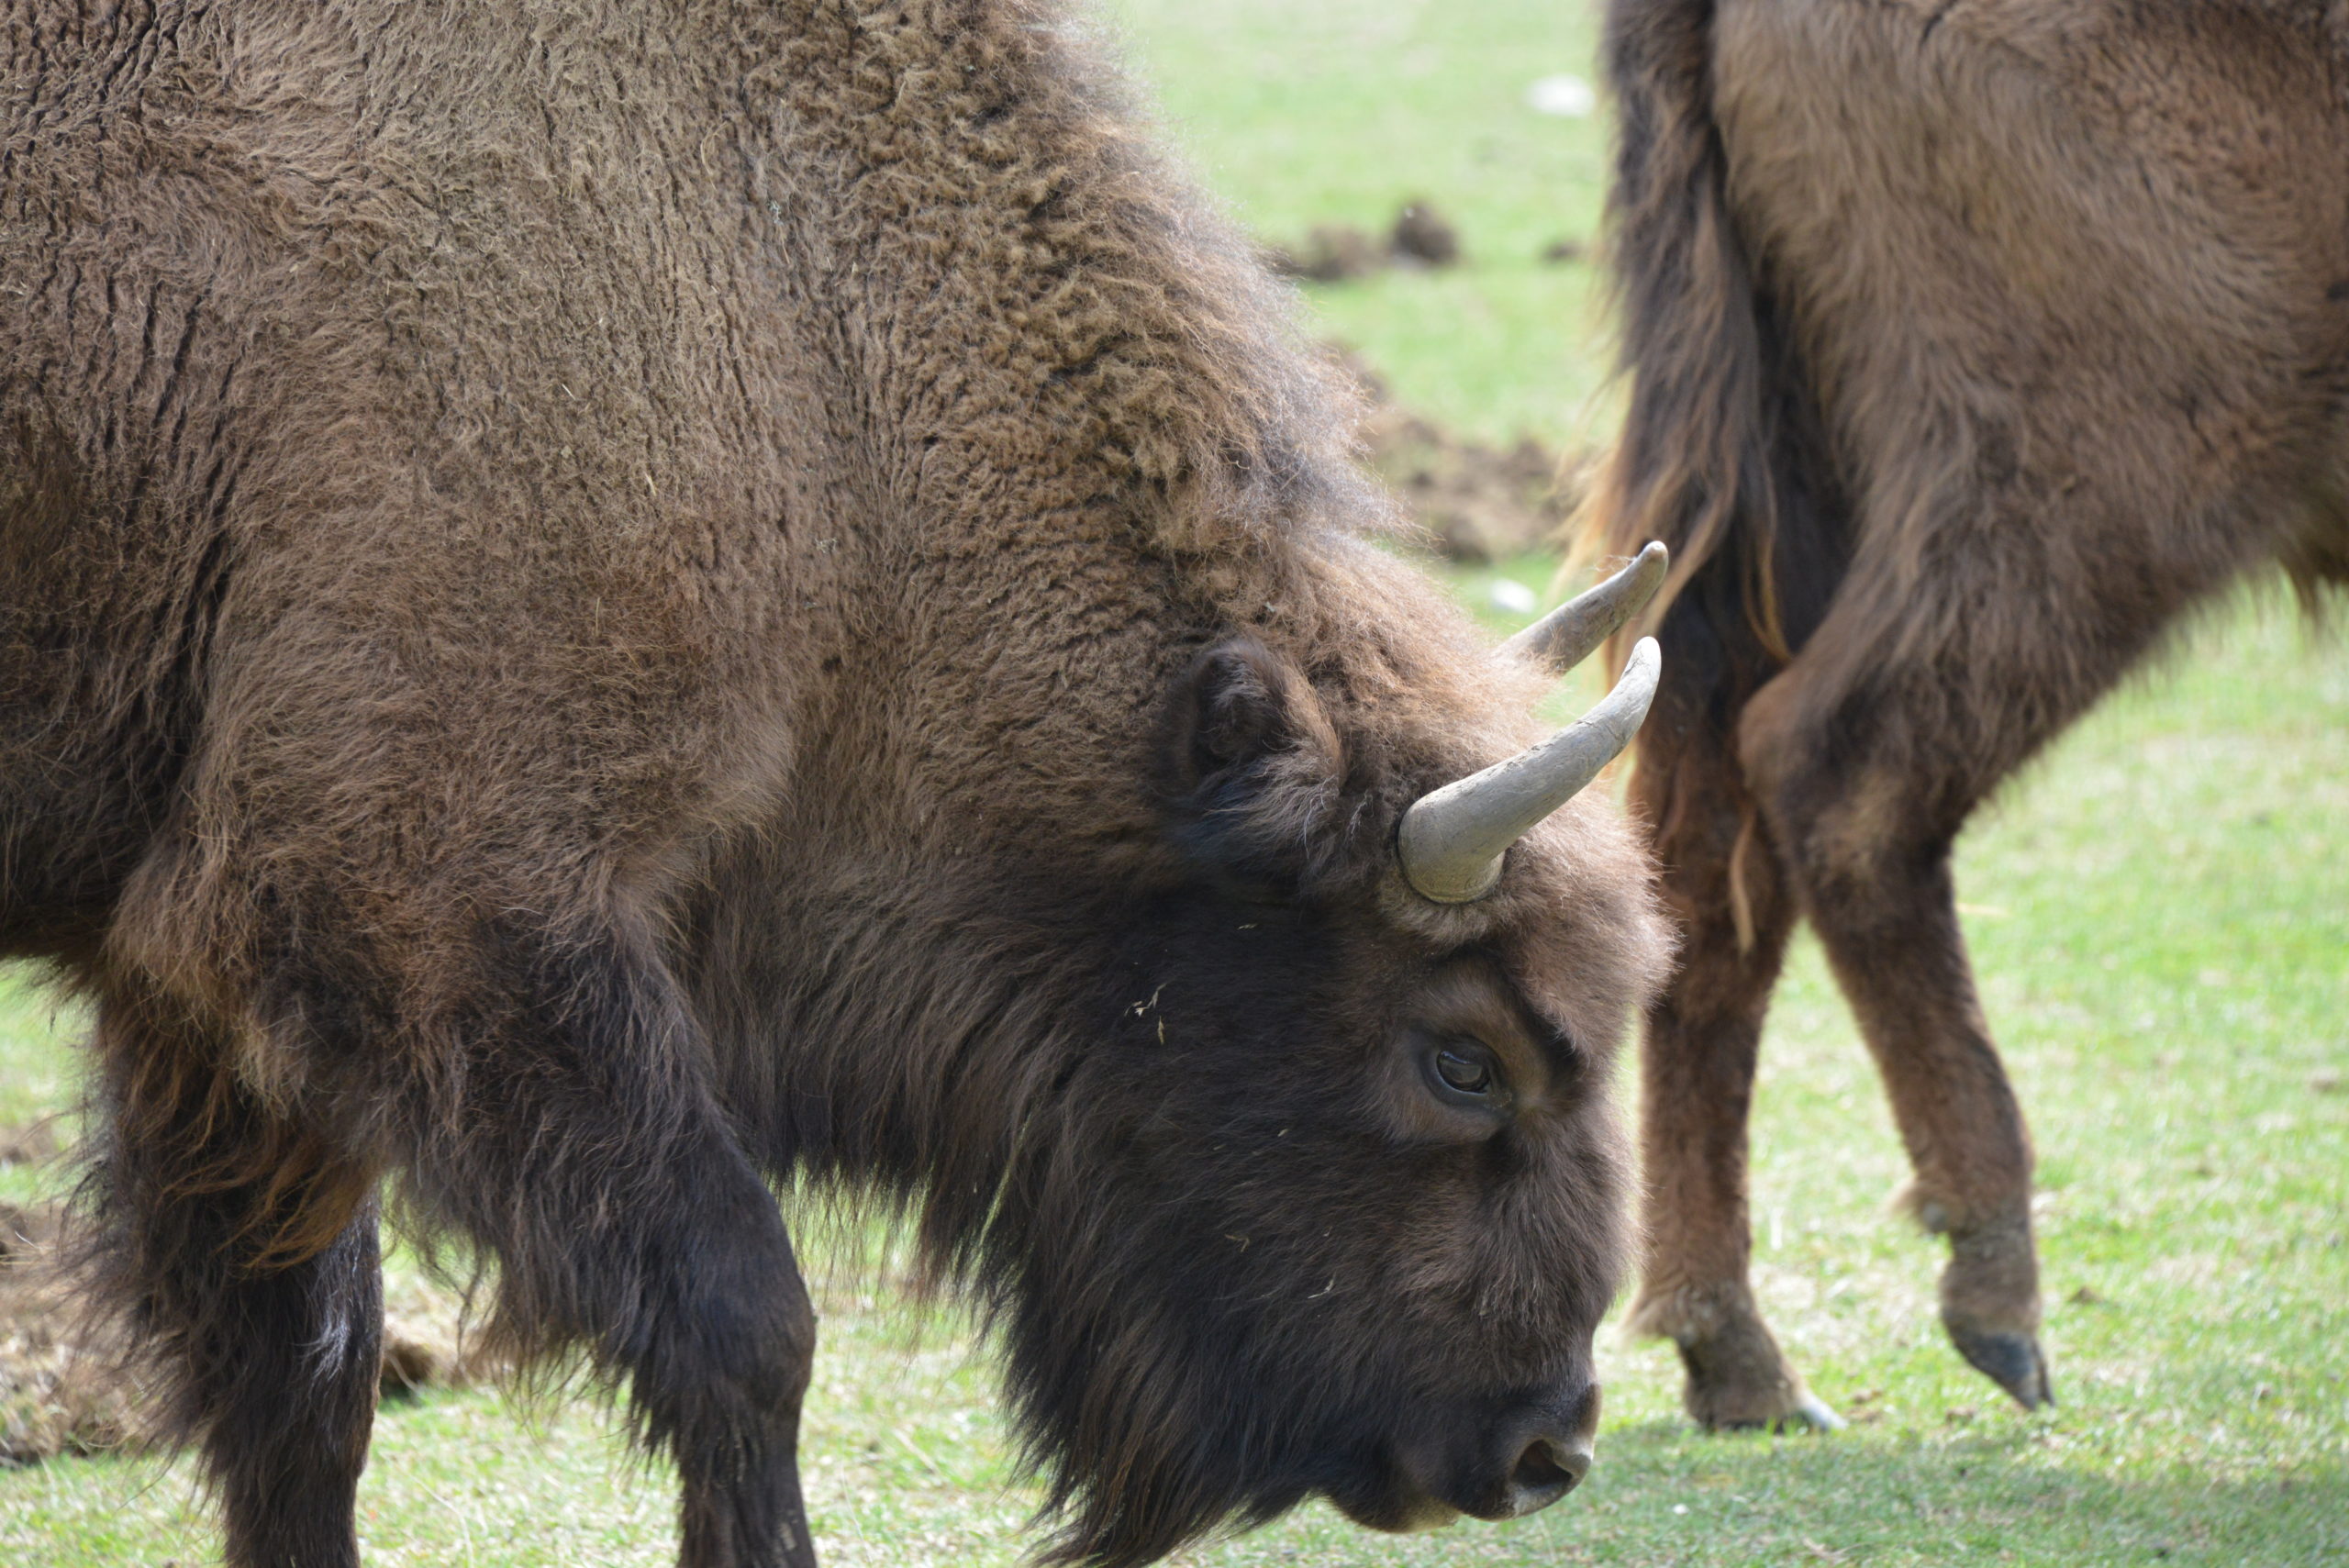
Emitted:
<point x="608" y="605"/>
<point x="1971" y="346"/>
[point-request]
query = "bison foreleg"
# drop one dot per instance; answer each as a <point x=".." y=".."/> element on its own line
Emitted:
<point x="244" y="1255"/>
<point x="590" y="1160"/>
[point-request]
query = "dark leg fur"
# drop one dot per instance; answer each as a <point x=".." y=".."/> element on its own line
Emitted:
<point x="269" y="1365"/>
<point x="569" y="1132"/>
<point x="624" y="1219"/>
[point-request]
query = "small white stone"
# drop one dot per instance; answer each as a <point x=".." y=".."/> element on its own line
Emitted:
<point x="1515" y="598"/>
<point x="1568" y="97"/>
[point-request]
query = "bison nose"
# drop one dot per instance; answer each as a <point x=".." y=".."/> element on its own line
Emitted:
<point x="1552" y="1465"/>
<point x="1546" y="1452"/>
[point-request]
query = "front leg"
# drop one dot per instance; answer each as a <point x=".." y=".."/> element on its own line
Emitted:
<point x="626" y="1219"/>
<point x="547" y="1096"/>
<point x="242" y="1249"/>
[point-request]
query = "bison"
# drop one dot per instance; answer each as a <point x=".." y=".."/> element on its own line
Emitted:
<point x="1970" y="344"/>
<point x="611" y="607"/>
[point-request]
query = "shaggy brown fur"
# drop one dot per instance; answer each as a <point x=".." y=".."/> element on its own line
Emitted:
<point x="607" y="603"/>
<point x="1971" y="345"/>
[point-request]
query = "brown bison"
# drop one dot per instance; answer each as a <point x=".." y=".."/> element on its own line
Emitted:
<point x="608" y="605"/>
<point x="1971" y="344"/>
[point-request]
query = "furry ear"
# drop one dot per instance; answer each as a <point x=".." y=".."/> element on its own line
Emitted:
<point x="1253" y="764"/>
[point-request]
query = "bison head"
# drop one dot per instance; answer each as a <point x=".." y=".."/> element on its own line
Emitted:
<point x="1332" y="1201"/>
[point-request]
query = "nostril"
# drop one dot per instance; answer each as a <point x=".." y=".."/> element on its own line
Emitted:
<point x="1547" y="1472"/>
<point x="1538" y="1471"/>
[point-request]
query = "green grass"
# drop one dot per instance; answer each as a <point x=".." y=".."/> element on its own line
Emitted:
<point x="2159" y="912"/>
<point x="1314" y="111"/>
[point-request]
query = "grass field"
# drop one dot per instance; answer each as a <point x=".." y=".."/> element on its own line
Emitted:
<point x="1339" y="111"/>
<point x="2159" y="911"/>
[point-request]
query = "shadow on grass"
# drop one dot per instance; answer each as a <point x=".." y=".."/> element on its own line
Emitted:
<point x="2026" y="1492"/>
<point x="2032" y="1492"/>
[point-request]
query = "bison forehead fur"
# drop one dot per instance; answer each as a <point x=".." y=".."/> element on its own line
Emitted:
<point x="607" y="605"/>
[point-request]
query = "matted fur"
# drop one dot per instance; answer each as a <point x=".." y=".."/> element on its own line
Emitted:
<point x="611" y="604"/>
<point x="1970" y="346"/>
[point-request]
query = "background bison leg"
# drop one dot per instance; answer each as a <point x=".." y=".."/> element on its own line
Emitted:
<point x="1867" y="754"/>
<point x="244" y="1255"/>
<point x="591" y="1161"/>
<point x="1897" y="951"/>
<point x="1698" y="1062"/>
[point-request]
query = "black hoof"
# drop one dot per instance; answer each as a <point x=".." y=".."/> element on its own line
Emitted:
<point x="2013" y="1361"/>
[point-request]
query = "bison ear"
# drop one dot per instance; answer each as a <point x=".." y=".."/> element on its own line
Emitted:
<point x="1252" y="763"/>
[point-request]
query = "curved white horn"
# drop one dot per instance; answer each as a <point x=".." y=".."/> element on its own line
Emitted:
<point x="1452" y="839"/>
<point x="1564" y="638"/>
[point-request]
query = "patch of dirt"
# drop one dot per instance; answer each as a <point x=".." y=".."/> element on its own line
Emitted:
<point x="59" y="1393"/>
<point x="1330" y="253"/>
<point x="62" y="1389"/>
<point x="1339" y="253"/>
<point x="1480" y="503"/>
<point x="1420" y="237"/>
<point x="1423" y="235"/>
<point x="29" y="1145"/>
<point x="425" y="1346"/>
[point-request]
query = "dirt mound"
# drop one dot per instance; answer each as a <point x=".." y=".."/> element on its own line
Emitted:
<point x="1423" y="235"/>
<point x="62" y="1389"/>
<point x="1481" y="503"/>
<point x="1339" y="253"/>
<point x="1419" y="237"/>
<point x="1330" y="253"/>
<point x="57" y="1394"/>
<point x="29" y="1145"/>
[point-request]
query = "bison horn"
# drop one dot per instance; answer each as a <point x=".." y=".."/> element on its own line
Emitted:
<point x="1564" y="638"/>
<point x="1453" y="840"/>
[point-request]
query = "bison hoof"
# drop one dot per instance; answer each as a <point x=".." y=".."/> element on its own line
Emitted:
<point x="1804" y="1412"/>
<point x="2012" y="1360"/>
<point x="1808" y="1412"/>
<point x="1811" y="1414"/>
<point x="1737" y="1382"/>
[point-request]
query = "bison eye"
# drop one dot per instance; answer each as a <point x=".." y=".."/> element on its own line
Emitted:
<point x="1465" y="1071"/>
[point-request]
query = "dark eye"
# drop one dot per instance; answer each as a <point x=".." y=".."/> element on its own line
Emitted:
<point x="1464" y="1070"/>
